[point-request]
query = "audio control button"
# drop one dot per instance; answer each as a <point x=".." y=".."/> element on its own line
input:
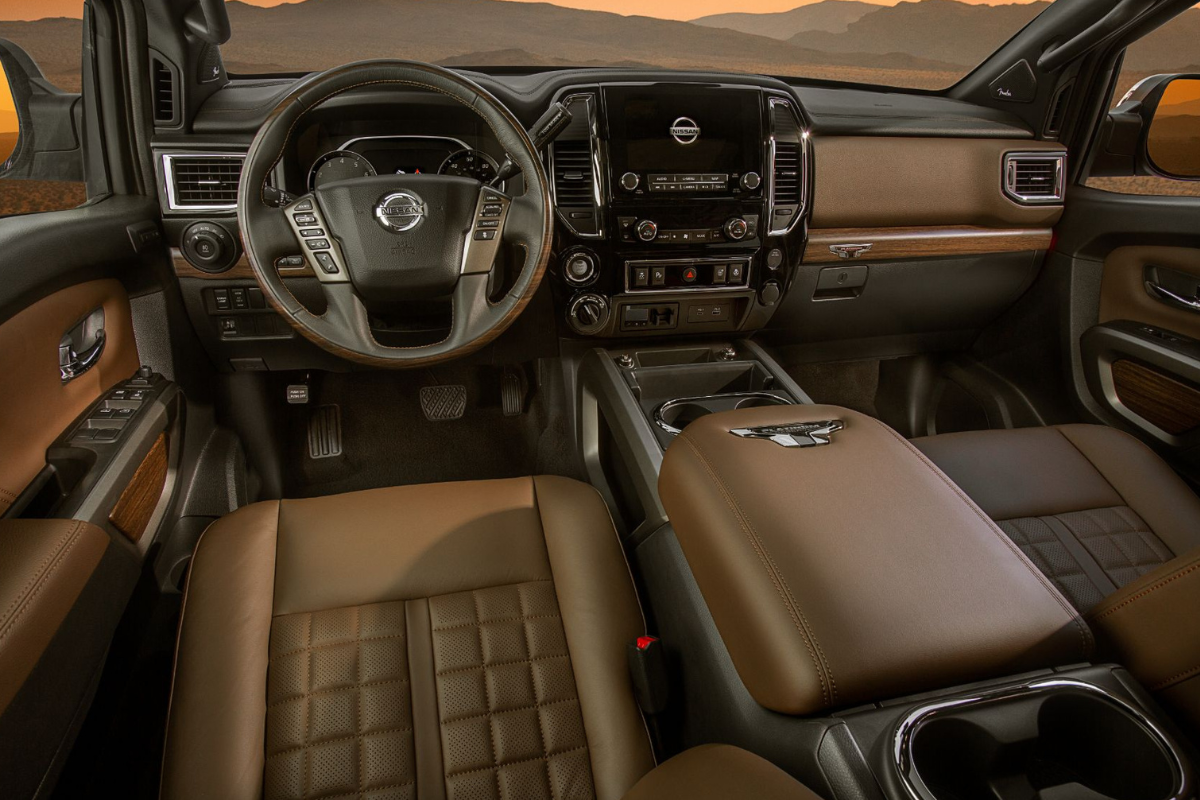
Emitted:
<point x="630" y="181"/>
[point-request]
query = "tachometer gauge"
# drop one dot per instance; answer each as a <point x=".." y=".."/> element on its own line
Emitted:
<point x="469" y="164"/>
<point x="338" y="165"/>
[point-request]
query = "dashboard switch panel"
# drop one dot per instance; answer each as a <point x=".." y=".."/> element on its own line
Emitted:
<point x="701" y="274"/>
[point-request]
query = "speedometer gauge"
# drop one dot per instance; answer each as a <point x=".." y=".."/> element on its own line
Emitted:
<point x="469" y="164"/>
<point x="338" y="165"/>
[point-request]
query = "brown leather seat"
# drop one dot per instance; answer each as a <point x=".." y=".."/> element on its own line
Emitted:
<point x="1091" y="506"/>
<point x="460" y="640"/>
<point x="1115" y="529"/>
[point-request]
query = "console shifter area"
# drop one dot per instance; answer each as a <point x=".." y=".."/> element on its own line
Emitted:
<point x="676" y="216"/>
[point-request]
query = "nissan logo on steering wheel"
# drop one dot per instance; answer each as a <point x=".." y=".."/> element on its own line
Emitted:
<point x="685" y="130"/>
<point x="400" y="212"/>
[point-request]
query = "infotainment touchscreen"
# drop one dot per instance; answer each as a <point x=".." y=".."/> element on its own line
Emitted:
<point x="671" y="128"/>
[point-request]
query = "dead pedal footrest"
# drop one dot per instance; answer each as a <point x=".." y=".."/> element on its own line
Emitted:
<point x="443" y="403"/>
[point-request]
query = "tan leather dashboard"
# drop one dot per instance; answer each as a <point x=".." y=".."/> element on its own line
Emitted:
<point x="885" y="182"/>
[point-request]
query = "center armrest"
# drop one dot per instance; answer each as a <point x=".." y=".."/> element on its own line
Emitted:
<point x="852" y="571"/>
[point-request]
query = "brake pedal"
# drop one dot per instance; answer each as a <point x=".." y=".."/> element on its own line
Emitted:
<point x="512" y="391"/>
<point x="325" y="432"/>
<point x="443" y="403"/>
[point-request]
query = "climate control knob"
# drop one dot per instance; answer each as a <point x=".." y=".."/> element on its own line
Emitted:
<point x="580" y="267"/>
<point x="750" y="181"/>
<point x="588" y="314"/>
<point x="630" y="181"/>
<point x="736" y="229"/>
<point x="647" y="230"/>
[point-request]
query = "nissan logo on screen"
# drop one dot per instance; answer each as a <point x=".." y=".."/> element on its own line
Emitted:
<point x="685" y="130"/>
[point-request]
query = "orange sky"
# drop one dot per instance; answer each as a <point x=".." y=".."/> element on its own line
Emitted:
<point x="667" y="9"/>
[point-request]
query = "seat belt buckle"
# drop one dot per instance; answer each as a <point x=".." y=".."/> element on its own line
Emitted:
<point x="648" y="673"/>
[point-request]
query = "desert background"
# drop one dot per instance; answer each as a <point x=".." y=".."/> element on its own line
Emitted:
<point x="921" y="44"/>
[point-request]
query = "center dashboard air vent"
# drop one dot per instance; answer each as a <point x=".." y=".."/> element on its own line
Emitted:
<point x="202" y="182"/>
<point x="573" y="159"/>
<point x="1035" y="178"/>
<point x="788" y="157"/>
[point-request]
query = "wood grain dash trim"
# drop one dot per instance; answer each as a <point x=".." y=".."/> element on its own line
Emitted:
<point x="136" y="505"/>
<point x="1156" y="397"/>
<point x="239" y="271"/>
<point x="931" y="242"/>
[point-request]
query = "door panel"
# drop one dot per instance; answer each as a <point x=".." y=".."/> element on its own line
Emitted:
<point x="1123" y="294"/>
<point x="40" y="405"/>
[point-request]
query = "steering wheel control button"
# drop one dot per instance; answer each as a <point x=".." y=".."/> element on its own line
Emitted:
<point x="309" y="232"/>
<point x="326" y="263"/>
<point x="318" y="244"/>
<point x="491" y="210"/>
<point x="304" y="219"/>
<point x="303" y="205"/>
<point x="484" y="236"/>
<point x="488" y="223"/>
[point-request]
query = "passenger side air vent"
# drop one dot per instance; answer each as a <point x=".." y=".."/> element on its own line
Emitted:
<point x="1058" y="111"/>
<point x="788" y="158"/>
<point x="1034" y="178"/>
<point x="202" y="182"/>
<point x="573" y="158"/>
<point x="163" y="92"/>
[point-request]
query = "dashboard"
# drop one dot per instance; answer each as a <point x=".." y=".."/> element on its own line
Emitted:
<point x="685" y="205"/>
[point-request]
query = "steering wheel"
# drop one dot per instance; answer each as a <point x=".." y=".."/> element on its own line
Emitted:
<point x="396" y="237"/>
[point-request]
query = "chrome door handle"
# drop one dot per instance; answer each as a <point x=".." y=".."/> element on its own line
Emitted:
<point x="1173" y="299"/>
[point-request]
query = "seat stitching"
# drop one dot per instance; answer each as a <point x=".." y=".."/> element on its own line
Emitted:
<point x="358" y="716"/>
<point x="511" y="710"/>
<point x="64" y="537"/>
<point x="513" y="763"/>
<point x="1085" y="633"/>
<point x="291" y="698"/>
<point x="41" y="578"/>
<point x="307" y="745"/>
<point x="342" y="643"/>
<point x="1166" y="683"/>
<point x="457" y="670"/>
<point x="360" y="794"/>
<point x="769" y="567"/>
<point x="533" y="688"/>
<point x="1148" y="590"/>
<point x="498" y="621"/>
<point x="487" y="695"/>
<point x="308" y="709"/>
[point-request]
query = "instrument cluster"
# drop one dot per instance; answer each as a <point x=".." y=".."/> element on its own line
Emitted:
<point x="401" y="155"/>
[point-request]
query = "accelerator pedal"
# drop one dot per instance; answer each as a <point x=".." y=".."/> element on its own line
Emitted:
<point x="325" y="432"/>
<point x="512" y="391"/>
<point x="443" y="403"/>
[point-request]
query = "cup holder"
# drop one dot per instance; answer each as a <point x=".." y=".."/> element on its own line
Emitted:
<point x="675" y="415"/>
<point x="1052" y="740"/>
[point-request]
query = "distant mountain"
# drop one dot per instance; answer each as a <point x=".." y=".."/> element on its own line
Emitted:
<point x="54" y="44"/>
<point x="321" y="33"/>
<point x="831" y="16"/>
<point x="40" y="9"/>
<point x="939" y="30"/>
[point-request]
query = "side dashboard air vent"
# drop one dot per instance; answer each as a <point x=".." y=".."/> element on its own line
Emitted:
<point x="573" y="160"/>
<point x="574" y="177"/>
<point x="1058" y="111"/>
<point x="202" y="182"/>
<point x="1034" y="178"/>
<point x="163" y="92"/>
<point x="787" y="166"/>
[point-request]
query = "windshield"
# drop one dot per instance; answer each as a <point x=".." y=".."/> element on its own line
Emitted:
<point x="899" y="44"/>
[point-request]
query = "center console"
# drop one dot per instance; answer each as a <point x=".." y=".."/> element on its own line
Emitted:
<point x="828" y="600"/>
<point x="680" y="207"/>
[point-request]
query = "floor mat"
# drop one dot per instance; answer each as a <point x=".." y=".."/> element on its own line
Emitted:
<point x="387" y="439"/>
